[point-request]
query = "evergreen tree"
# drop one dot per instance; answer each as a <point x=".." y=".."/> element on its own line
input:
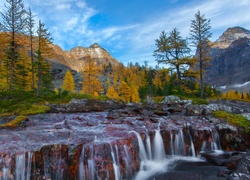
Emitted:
<point x="30" y="27"/>
<point x="14" y="22"/>
<point x="200" y="34"/>
<point x="68" y="83"/>
<point x="43" y="67"/>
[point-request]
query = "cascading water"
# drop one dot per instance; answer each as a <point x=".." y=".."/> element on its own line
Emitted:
<point x="103" y="151"/>
<point x="178" y="144"/>
<point x="22" y="167"/>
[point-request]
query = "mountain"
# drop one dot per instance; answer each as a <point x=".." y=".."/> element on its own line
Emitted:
<point x="75" y="61"/>
<point x="231" y="35"/>
<point x="76" y="58"/>
<point x="230" y="62"/>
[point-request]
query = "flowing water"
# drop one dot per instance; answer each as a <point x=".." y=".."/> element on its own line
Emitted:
<point x="52" y="145"/>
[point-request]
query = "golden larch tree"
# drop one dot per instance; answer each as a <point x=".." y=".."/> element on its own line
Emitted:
<point x="134" y="94"/>
<point x="68" y="82"/>
<point x="111" y="93"/>
<point x="124" y="91"/>
<point x="90" y="74"/>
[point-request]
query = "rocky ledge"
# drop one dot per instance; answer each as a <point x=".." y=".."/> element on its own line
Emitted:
<point x="112" y="140"/>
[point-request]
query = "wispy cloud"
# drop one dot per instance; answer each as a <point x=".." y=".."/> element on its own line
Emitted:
<point x="70" y="22"/>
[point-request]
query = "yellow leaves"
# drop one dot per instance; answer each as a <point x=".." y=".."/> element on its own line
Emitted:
<point x="90" y="74"/>
<point x="135" y="95"/>
<point x="111" y="93"/>
<point x="68" y="83"/>
<point x="234" y="95"/>
<point x="157" y="80"/>
<point x="124" y="91"/>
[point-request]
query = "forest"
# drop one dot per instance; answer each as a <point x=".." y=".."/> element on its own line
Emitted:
<point x="25" y="72"/>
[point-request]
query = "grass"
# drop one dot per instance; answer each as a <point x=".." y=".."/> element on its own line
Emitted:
<point x="233" y="119"/>
<point x="14" y="123"/>
<point x="26" y="102"/>
<point x="195" y="100"/>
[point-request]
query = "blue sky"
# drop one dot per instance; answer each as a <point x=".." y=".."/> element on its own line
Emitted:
<point x="128" y="28"/>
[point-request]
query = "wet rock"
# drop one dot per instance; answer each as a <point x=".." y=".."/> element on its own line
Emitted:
<point x="113" y="115"/>
<point x="233" y="161"/>
<point x="160" y="113"/>
<point x="242" y="172"/>
<point x="85" y="105"/>
<point x="219" y="159"/>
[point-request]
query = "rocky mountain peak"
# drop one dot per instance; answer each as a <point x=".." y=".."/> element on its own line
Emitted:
<point x="76" y="58"/>
<point x="95" y="45"/>
<point x="231" y="35"/>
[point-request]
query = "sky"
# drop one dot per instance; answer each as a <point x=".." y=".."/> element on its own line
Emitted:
<point x="127" y="29"/>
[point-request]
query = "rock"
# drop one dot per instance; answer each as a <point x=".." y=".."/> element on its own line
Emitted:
<point x="171" y="99"/>
<point x="113" y="115"/>
<point x="242" y="172"/>
<point x="233" y="161"/>
<point x="85" y="105"/>
<point x="246" y="115"/>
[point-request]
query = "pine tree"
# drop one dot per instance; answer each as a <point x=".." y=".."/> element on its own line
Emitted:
<point x="43" y="68"/>
<point x="200" y="34"/>
<point x="30" y="27"/>
<point x="68" y="83"/>
<point x="14" y="22"/>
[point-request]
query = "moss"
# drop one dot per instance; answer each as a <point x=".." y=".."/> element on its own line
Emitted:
<point x="14" y="123"/>
<point x="35" y="109"/>
<point x="233" y="119"/>
<point x="198" y="101"/>
<point x="158" y="99"/>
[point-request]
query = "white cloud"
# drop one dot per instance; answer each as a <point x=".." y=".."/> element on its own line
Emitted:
<point x="63" y="6"/>
<point x="69" y="21"/>
<point x="81" y="4"/>
<point x="223" y="14"/>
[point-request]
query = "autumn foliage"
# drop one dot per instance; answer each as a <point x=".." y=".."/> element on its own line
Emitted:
<point x="68" y="82"/>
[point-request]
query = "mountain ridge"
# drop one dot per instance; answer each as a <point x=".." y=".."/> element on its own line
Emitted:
<point x="77" y="57"/>
<point x="230" y="60"/>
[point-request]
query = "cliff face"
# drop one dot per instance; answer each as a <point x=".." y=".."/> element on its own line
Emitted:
<point x="76" y="58"/>
<point x="230" y="62"/>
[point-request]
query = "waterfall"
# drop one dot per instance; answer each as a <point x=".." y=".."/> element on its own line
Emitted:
<point x="148" y="144"/>
<point x="142" y="151"/>
<point x="20" y="167"/>
<point x="191" y="148"/>
<point x="116" y="166"/>
<point x="128" y="162"/>
<point x="82" y="167"/>
<point x="159" y="151"/>
<point x="178" y="144"/>
<point x="215" y="144"/>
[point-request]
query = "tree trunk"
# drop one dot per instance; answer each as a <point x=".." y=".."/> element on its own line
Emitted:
<point x="201" y="74"/>
<point x="178" y="74"/>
